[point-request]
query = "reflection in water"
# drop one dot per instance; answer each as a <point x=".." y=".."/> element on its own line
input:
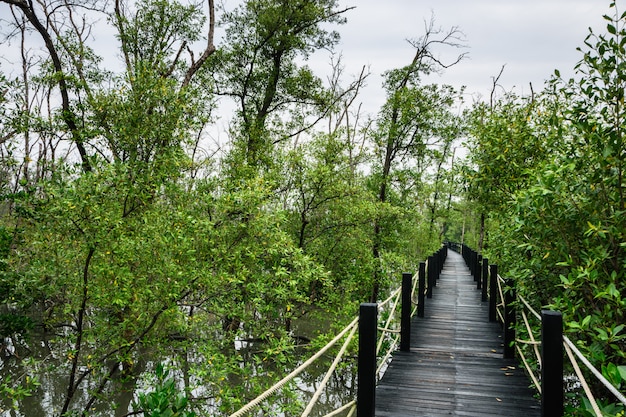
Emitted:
<point x="252" y="369"/>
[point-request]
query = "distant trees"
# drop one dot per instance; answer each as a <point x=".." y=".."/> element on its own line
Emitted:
<point x="550" y="176"/>
<point x="415" y="125"/>
<point x="127" y="239"/>
<point x="276" y="97"/>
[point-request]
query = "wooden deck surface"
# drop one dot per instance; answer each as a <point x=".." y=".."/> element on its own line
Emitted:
<point x="455" y="366"/>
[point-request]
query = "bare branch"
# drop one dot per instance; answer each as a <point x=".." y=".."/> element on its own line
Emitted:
<point x="120" y="19"/>
<point x="210" y="49"/>
<point x="425" y="59"/>
<point x="69" y="117"/>
<point x="172" y="67"/>
<point x="494" y="85"/>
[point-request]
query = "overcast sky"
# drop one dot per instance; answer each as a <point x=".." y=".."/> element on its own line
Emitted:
<point x="530" y="37"/>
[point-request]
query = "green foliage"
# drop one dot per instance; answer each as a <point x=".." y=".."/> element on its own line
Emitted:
<point x="158" y="248"/>
<point x="11" y="324"/>
<point x="155" y="32"/>
<point x="507" y="145"/>
<point x="586" y="409"/>
<point x="259" y="68"/>
<point x="14" y="389"/>
<point x="165" y="400"/>
<point x="330" y="217"/>
<point x="550" y="173"/>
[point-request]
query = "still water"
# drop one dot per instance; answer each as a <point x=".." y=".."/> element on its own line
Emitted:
<point x="52" y="373"/>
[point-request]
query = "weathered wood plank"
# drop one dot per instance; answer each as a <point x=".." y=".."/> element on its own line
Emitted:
<point x="455" y="365"/>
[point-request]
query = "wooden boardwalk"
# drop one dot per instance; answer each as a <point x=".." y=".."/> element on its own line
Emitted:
<point x="455" y="366"/>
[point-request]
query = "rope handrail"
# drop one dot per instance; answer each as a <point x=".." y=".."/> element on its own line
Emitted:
<point x="582" y="381"/>
<point x="388" y="299"/>
<point x="414" y="287"/>
<point x="248" y="407"/>
<point x="528" y="342"/>
<point x="386" y="330"/>
<point x="342" y="409"/>
<point x="572" y="352"/>
<point x="501" y="281"/>
<point x="532" y="310"/>
<point x="532" y="338"/>
<point x="352" y="327"/>
<point x="331" y="369"/>
<point x="413" y="302"/>
<point x="392" y="313"/>
<point x="500" y="315"/>
<point x="387" y="355"/>
<point x="416" y="303"/>
<point x="534" y="343"/>
<point x="531" y="373"/>
<point x="594" y="371"/>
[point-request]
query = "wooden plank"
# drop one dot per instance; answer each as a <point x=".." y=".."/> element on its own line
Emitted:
<point x="455" y="365"/>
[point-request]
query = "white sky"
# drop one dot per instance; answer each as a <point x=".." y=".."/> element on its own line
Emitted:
<point x="532" y="37"/>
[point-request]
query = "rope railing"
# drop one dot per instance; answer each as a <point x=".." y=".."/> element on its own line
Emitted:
<point x="532" y="310"/>
<point x="594" y="371"/>
<point x="385" y="358"/>
<point x="392" y="312"/>
<point x="388" y="328"/>
<point x="414" y="289"/>
<point x="349" y="406"/>
<point x="329" y="373"/>
<point x="532" y="342"/>
<point x="583" y="382"/>
<point x="573" y="354"/>
<point x="500" y="305"/>
<point x="393" y="295"/>
<point x="267" y="393"/>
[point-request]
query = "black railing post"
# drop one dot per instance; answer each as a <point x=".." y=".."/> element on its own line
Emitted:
<point x="442" y="259"/>
<point x="509" y="320"/>
<point x="435" y="268"/>
<point x="366" y="373"/>
<point x="431" y="269"/>
<point x="493" y="292"/>
<point x="485" y="277"/>
<point x="407" y="305"/>
<point x="479" y="275"/>
<point x="552" y="364"/>
<point x="421" y="287"/>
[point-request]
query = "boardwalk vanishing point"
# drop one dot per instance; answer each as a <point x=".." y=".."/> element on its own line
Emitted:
<point x="455" y="366"/>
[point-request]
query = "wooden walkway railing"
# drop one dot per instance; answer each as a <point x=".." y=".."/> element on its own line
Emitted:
<point x="457" y="356"/>
<point x="455" y="364"/>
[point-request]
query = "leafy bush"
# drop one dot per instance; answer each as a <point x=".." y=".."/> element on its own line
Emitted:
<point x="165" y="400"/>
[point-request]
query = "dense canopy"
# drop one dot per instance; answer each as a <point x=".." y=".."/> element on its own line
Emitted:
<point x="152" y="263"/>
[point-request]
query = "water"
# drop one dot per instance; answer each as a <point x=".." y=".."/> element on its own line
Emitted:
<point x="40" y="359"/>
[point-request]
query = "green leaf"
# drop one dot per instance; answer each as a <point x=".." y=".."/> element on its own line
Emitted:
<point x="612" y="373"/>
